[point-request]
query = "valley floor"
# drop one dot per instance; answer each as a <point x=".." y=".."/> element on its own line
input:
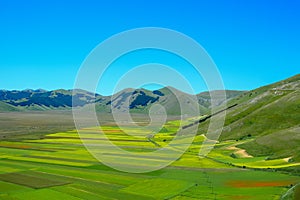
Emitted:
<point x="58" y="166"/>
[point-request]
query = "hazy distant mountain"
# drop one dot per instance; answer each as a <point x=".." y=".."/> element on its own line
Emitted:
<point x="136" y="100"/>
<point x="44" y="100"/>
<point x="141" y="100"/>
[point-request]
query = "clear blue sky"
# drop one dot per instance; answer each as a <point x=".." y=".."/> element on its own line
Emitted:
<point x="43" y="43"/>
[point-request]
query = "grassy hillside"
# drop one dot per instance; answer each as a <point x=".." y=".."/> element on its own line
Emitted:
<point x="204" y="97"/>
<point x="7" y="107"/>
<point x="265" y="121"/>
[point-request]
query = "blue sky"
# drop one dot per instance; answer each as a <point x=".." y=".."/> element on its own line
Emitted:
<point x="43" y="43"/>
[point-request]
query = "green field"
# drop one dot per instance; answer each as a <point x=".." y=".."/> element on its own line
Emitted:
<point x="57" y="166"/>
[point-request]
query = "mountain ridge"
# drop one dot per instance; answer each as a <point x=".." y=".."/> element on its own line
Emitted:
<point x="62" y="99"/>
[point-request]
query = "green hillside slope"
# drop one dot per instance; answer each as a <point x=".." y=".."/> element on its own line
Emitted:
<point x="4" y="107"/>
<point x="265" y="121"/>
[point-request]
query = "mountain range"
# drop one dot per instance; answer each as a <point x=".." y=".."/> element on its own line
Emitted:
<point x="139" y="100"/>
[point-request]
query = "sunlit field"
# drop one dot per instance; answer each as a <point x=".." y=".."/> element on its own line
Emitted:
<point x="58" y="166"/>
